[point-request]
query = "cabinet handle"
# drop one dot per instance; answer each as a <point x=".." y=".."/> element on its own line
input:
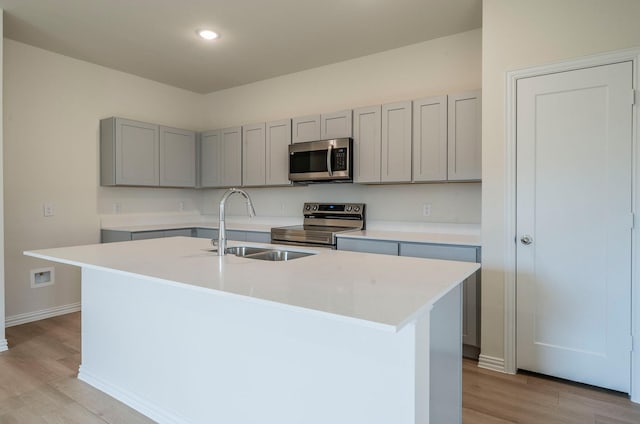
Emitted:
<point x="526" y="240"/>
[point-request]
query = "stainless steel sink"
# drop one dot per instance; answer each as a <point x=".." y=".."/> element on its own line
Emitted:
<point x="245" y="250"/>
<point x="266" y="254"/>
<point x="279" y="255"/>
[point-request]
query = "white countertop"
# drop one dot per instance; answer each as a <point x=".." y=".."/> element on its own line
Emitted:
<point x="381" y="291"/>
<point x="413" y="232"/>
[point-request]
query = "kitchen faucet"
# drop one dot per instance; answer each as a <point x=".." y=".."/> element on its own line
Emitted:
<point x="222" y="232"/>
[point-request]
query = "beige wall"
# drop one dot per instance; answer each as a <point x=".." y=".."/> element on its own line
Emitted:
<point x="52" y="108"/>
<point x="440" y="66"/>
<point x="516" y="35"/>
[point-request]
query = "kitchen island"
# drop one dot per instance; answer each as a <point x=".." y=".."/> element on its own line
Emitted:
<point x="185" y="336"/>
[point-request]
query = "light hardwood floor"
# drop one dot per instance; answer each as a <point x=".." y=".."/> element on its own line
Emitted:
<point x="38" y="385"/>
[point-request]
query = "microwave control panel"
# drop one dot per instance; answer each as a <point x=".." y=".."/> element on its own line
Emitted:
<point x="340" y="159"/>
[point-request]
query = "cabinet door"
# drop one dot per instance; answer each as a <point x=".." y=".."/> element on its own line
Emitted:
<point x="368" y="246"/>
<point x="306" y="128"/>
<point x="209" y="233"/>
<point x="112" y="236"/>
<point x="258" y="237"/>
<point x="145" y="235"/>
<point x="278" y="139"/>
<point x="253" y="155"/>
<point x="231" y="157"/>
<point x="210" y="159"/>
<point x="367" y="124"/>
<point x="137" y="153"/>
<point x="430" y="139"/>
<point x="396" y="142"/>
<point x="336" y="125"/>
<point x="470" y="288"/>
<point x="179" y="232"/>
<point x="465" y="136"/>
<point x="177" y="157"/>
<point x="236" y="235"/>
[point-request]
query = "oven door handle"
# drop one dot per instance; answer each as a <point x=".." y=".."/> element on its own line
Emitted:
<point x="329" y="154"/>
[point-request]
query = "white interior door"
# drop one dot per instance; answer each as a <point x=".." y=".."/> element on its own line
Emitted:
<point x="574" y="175"/>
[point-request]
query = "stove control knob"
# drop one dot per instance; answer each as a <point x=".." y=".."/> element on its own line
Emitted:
<point x="315" y="207"/>
<point x="348" y="208"/>
<point x="307" y="207"/>
<point x="356" y="208"/>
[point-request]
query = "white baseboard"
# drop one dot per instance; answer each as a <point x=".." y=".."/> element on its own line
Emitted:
<point x="491" y="363"/>
<point x="151" y="410"/>
<point x="41" y="314"/>
<point x="3" y="345"/>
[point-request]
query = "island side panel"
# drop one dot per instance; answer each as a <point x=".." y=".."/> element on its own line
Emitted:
<point x="445" y="358"/>
<point x="182" y="354"/>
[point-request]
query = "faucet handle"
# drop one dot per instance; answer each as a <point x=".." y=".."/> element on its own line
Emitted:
<point x="214" y="242"/>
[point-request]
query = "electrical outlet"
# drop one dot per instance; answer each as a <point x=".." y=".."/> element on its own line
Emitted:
<point x="117" y="208"/>
<point x="48" y="209"/>
<point x="181" y="206"/>
<point x="426" y="209"/>
<point x="42" y="277"/>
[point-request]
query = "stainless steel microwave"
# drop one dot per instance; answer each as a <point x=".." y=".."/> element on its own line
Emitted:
<point x="321" y="161"/>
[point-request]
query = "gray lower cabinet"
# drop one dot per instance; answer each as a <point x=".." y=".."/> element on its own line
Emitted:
<point x="368" y="246"/>
<point x="471" y="287"/>
<point x="210" y="233"/>
<point x="250" y="236"/>
<point x="110" y="236"/>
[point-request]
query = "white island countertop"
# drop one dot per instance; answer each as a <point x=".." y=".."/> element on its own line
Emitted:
<point x="380" y="291"/>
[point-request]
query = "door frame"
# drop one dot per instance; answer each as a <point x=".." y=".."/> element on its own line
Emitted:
<point x="512" y="78"/>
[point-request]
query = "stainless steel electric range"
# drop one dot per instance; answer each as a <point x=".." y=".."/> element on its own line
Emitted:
<point x="322" y="221"/>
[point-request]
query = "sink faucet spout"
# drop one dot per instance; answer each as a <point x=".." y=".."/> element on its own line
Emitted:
<point x="222" y="231"/>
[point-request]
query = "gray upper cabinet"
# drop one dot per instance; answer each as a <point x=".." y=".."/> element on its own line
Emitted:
<point x="305" y="128"/>
<point x="177" y="157"/>
<point x="129" y="153"/>
<point x="367" y="144"/>
<point x="231" y="156"/>
<point x="336" y="125"/>
<point x="278" y="139"/>
<point x="221" y="158"/>
<point x="253" y="155"/>
<point x="396" y="142"/>
<point x="210" y="156"/>
<point x="430" y="139"/>
<point x="465" y="136"/>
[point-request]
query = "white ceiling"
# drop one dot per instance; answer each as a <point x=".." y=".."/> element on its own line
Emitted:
<point x="259" y="39"/>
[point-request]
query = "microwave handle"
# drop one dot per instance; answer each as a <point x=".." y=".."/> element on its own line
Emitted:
<point x="329" y="153"/>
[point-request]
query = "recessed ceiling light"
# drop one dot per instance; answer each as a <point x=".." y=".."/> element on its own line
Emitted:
<point x="207" y="34"/>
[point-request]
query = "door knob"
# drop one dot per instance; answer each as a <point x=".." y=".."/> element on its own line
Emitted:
<point x="526" y="240"/>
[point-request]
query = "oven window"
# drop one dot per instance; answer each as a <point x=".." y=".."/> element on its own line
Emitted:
<point x="313" y="161"/>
